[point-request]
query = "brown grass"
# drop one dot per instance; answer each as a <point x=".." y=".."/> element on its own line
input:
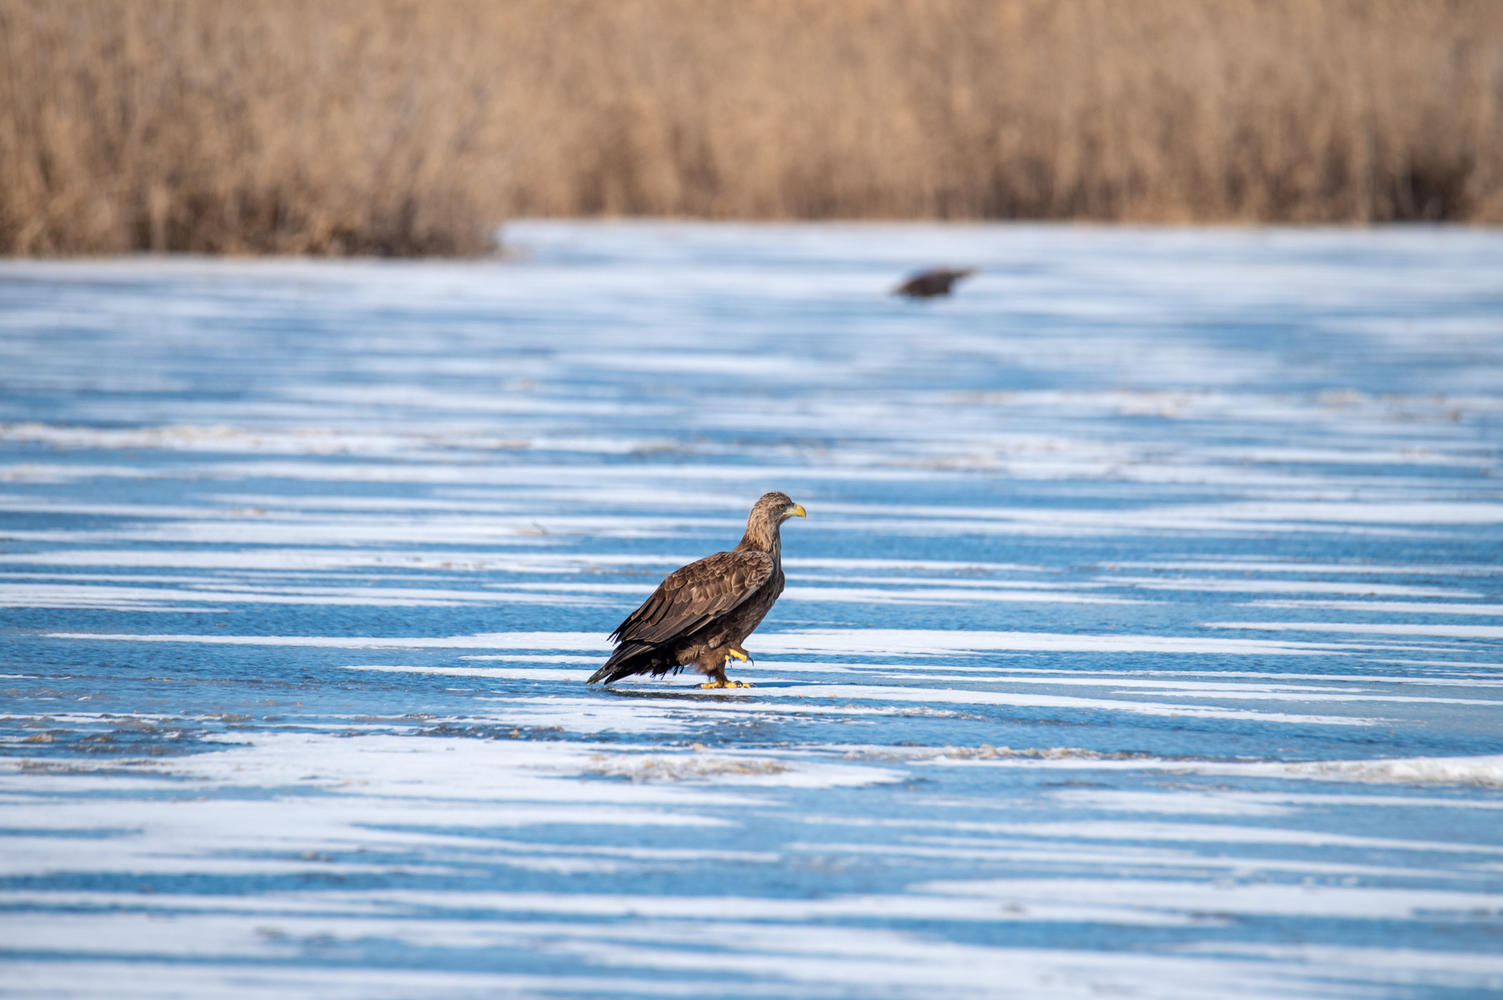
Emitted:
<point x="414" y="126"/>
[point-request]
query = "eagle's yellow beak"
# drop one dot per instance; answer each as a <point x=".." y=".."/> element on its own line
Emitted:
<point x="797" y="510"/>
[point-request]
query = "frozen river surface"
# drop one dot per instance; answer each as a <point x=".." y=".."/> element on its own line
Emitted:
<point x="1145" y="638"/>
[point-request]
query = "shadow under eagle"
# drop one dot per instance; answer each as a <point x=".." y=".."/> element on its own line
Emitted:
<point x="701" y="613"/>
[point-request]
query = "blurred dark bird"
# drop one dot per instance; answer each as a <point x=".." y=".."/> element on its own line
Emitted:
<point x="701" y="613"/>
<point x="928" y="284"/>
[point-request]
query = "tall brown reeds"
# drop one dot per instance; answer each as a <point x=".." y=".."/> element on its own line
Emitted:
<point x="416" y="126"/>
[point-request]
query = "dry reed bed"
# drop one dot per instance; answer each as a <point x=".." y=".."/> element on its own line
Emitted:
<point x="396" y="126"/>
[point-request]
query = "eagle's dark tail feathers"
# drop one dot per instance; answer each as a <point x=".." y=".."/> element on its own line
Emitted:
<point x="630" y="658"/>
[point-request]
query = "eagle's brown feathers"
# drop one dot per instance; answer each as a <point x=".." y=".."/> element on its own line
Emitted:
<point x="702" y="612"/>
<point x="695" y="594"/>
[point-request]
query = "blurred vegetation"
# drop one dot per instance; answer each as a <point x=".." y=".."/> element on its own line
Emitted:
<point x="416" y="126"/>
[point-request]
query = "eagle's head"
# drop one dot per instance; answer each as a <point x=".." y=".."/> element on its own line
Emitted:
<point x="775" y="508"/>
<point x="767" y="515"/>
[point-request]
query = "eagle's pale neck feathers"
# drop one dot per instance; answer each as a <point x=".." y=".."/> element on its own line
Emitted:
<point x="762" y="525"/>
<point x="762" y="533"/>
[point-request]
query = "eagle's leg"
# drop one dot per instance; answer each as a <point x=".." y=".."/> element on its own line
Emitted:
<point x="717" y="676"/>
<point x="739" y="654"/>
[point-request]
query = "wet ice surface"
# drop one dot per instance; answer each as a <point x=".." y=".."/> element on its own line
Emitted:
<point x="1144" y="638"/>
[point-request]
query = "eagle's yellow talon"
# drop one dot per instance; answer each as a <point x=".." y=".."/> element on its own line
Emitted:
<point x="738" y="655"/>
<point x="725" y="684"/>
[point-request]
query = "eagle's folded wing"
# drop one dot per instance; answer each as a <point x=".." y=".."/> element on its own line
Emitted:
<point x="696" y="595"/>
